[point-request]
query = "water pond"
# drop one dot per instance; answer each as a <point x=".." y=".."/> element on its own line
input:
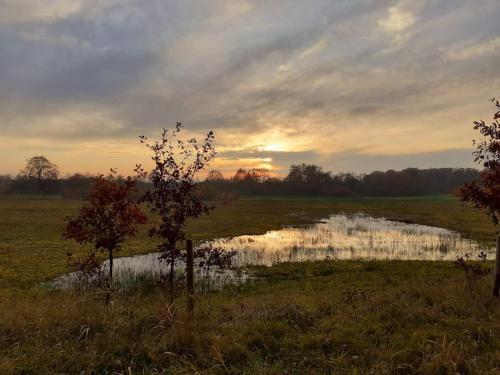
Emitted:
<point x="337" y="237"/>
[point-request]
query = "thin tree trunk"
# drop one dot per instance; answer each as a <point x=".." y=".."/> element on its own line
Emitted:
<point x="110" y="268"/>
<point x="189" y="276"/>
<point x="110" y="280"/>
<point x="171" y="282"/>
<point x="171" y="276"/>
<point x="496" y="283"/>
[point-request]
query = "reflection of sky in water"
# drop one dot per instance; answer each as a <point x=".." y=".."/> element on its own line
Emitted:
<point x="350" y="237"/>
<point x="338" y="237"/>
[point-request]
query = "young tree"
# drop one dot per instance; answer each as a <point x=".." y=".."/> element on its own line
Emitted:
<point x="175" y="196"/>
<point x="40" y="168"/>
<point x="111" y="215"/>
<point x="484" y="193"/>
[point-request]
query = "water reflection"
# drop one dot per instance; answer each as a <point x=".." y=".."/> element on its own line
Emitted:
<point x="338" y="237"/>
<point x="349" y="237"/>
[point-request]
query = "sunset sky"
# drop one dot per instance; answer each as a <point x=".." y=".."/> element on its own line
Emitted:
<point x="350" y="85"/>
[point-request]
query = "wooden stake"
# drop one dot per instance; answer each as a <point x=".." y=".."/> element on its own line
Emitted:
<point x="189" y="276"/>
<point x="496" y="283"/>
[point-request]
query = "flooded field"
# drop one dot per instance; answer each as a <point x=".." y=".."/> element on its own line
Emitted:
<point x="350" y="237"/>
<point x="337" y="237"/>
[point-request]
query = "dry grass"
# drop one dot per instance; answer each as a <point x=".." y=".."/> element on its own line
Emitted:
<point x="328" y="317"/>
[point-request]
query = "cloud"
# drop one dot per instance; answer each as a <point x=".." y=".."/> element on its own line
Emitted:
<point x="38" y="10"/>
<point x="398" y="20"/>
<point x="474" y="50"/>
<point x="26" y="12"/>
<point x="366" y="163"/>
<point x="57" y="40"/>
<point x="365" y="110"/>
<point x="70" y="123"/>
<point x="305" y="80"/>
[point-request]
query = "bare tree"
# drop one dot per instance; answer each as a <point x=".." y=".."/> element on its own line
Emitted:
<point x="484" y="193"/>
<point x="40" y="168"/>
<point x="175" y="194"/>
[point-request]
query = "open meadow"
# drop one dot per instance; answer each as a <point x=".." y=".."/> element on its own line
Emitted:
<point x="314" y="317"/>
<point x="32" y="249"/>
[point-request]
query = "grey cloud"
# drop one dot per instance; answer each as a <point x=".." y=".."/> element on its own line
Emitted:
<point x="97" y="77"/>
<point x="365" y="110"/>
<point x="118" y="61"/>
<point x="365" y="163"/>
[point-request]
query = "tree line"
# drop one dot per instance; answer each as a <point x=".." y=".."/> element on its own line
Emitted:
<point x="310" y="179"/>
<point x="302" y="179"/>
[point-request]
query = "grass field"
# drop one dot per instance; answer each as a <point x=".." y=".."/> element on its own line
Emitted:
<point x="314" y="318"/>
<point x="32" y="250"/>
<point x="325" y="317"/>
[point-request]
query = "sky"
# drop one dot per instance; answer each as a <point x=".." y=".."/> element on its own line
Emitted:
<point x="351" y="85"/>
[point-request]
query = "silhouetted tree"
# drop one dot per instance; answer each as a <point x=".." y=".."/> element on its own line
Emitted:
<point x="110" y="216"/>
<point x="309" y="179"/>
<point x="308" y="173"/>
<point x="40" y="168"/>
<point x="407" y="182"/>
<point x="174" y="195"/>
<point x="484" y="193"/>
<point x="215" y="175"/>
<point x="77" y="185"/>
<point x="5" y="183"/>
<point x="240" y="175"/>
<point x="305" y="179"/>
<point x="259" y="174"/>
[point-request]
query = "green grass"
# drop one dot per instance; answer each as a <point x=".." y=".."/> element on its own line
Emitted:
<point x="300" y="318"/>
<point x="32" y="250"/>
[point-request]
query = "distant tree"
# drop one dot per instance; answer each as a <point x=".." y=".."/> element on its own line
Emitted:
<point x="77" y="185"/>
<point x="215" y="175"/>
<point x="296" y="174"/>
<point x="240" y="175"/>
<point x="111" y="215"/>
<point x="253" y="175"/>
<point x="308" y="173"/>
<point x="309" y="179"/>
<point x="346" y="184"/>
<point x="259" y="174"/>
<point x="5" y="182"/>
<point x="174" y="195"/>
<point x="484" y="193"/>
<point x="40" y="168"/>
